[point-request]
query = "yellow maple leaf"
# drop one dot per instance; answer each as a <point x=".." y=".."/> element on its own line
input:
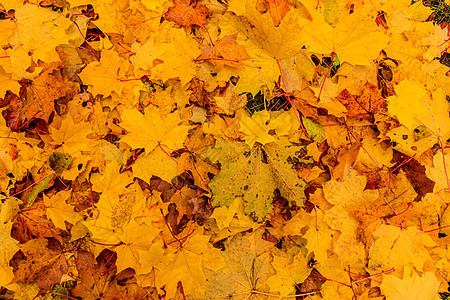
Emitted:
<point x="413" y="106"/>
<point x="114" y="213"/>
<point x="355" y="38"/>
<point x="9" y="208"/>
<point x="411" y="286"/>
<point x="338" y="285"/>
<point x="7" y="84"/>
<point x="108" y="74"/>
<point x="425" y="118"/>
<point x="17" y="62"/>
<point x="244" y="174"/>
<point x="8" y="247"/>
<point x="350" y="191"/>
<point x="437" y="172"/>
<point x="150" y="130"/>
<point x="264" y="43"/>
<point x="110" y="179"/>
<point x="59" y="211"/>
<point x="72" y="138"/>
<point x="396" y="247"/>
<point x="278" y="41"/>
<point x="111" y="16"/>
<point x="289" y="272"/>
<point x="135" y="237"/>
<point x="232" y="220"/>
<point x="373" y="154"/>
<point x="319" y="242"/>
<point x="247" y="269"/>
<point x="256" y="128"/>
<point x="144" y="55"/>
<point x="155" y="163"/>
<point x="191" y="255"/>
<point x="39" y="30"/>
<point x="178" y="53"/>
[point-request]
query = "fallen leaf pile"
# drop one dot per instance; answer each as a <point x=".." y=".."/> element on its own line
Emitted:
<point x="239" y="149"/>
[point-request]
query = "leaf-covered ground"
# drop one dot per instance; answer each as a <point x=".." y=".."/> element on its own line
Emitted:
<point x="209" y="149"/>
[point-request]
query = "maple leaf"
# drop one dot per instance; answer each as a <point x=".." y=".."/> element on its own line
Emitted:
<point x="185" y="14"/>
<point x="337" y="278"/>
<point x="71" y="138"/>
<point x="427" y="112"/>
<point x="411" y="286"/>
<point x="59" y="211"/>
<point x="156" y="163"/>
<point x="94" y="283"/>
<point x="40" y="259"/>
<point x="413" y="107"/>
<point x="289" y="272"/>
<point x="365" y="105"/>
<point x="42" y="92"/>
<point x="225" y="52"/>
<point x="399" y="247"/>
<point x="150" y="130"/>
<point x="8" y="247"/>
<point x="135" y="237"/>
<point x="319" y="236"/>
<point x="34" y="222"/>
<point x="246" y="174"/>
<point x="264" y="43"/>
<point x="231" y="220"/>
<point x="247" y="268"/>
<point x="256" y="128"/>
<point x="178" y="53"/>
<point x="111" y="179"/>
<point x="278" y="9"/>
<point x="114" y="212"/>
<point x="40" y="30"/>
<point x="350" y="191"/>
<point x="435" y="172"/>
<point x="185" y="200"/>
<point x="7" y="84"/>
<point x="373" y="154"/>
<point x="17" y="62"/>
<point x="199" y="167"/>
<point x="186" y="260"/>
<point x="355" y="38"/>
<point x="108" y="74"/>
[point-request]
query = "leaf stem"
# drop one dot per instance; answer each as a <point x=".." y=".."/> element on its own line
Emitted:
<point x="297" y="113"/>
<point x="59" y="294"/>
<point x="395" y="213"/>
<point x="431" y="230"/>
<point x="351" y="283"/>
<point x="403" y="163"/>
<point x="87" y="43"/>
<point x="329" y="279"/>
<point x="170" y="229"/>
<point x="159" y="144"/>
<point x="378" y="274"/>
<point x="32" y="185"/>
<point x="326" y="76"/>
<point x="75" y="192"/>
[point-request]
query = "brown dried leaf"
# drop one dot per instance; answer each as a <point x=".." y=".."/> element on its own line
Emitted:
<point x="186" y="14"/>
<point x="41" y="263"/>
<point x="33" y="222"/>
